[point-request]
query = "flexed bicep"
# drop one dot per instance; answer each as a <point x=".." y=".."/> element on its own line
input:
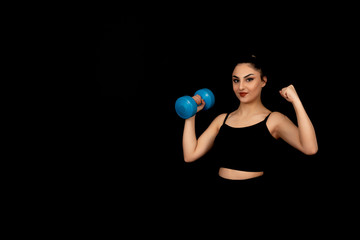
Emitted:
<point x="293" y="135"/>
<point x="289" y="132"/>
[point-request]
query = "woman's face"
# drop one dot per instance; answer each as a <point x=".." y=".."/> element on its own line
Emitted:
<point x="247" y="83"/>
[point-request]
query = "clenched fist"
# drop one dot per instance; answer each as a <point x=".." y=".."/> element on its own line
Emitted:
<point x="289" y="93"/>
<point x="200" y="102"/>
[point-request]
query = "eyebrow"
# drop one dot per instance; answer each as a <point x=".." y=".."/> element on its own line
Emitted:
<point x="244" y="76"/>
<point x="248" y="75"/>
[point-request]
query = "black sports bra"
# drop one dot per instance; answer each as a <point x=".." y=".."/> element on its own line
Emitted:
<point x="246" y="148"/>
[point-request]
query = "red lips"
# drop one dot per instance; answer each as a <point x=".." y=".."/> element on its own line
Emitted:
<point x="243" y="94"/>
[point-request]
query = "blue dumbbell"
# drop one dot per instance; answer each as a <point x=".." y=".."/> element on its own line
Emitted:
<point x="186" y="106"/>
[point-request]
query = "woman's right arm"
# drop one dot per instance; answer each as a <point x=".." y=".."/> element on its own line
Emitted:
<point x="194" y="148"/>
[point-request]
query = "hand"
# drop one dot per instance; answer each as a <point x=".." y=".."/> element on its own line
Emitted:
<point x="289" y="93"/>
<point x="198" y="101"/>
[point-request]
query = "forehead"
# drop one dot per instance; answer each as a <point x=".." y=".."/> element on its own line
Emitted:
<point x="244" y="69"/>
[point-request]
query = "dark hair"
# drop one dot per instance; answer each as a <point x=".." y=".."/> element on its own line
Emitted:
<point x="252" y="59"/>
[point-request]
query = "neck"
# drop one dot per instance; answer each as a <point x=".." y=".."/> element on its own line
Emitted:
<point x="250" y="108"/>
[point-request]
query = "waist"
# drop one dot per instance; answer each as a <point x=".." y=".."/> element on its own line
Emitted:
<point x="232" y="174"/>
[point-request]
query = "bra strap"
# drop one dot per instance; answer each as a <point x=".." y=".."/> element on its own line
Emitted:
<point x="226" y="118"/>
<point x="267" y="117"/>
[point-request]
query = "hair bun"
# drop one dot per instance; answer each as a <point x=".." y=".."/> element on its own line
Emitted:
<point x="249" y="57"/>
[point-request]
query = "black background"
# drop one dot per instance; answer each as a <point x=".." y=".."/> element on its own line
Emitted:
<point x="144" y="62"/>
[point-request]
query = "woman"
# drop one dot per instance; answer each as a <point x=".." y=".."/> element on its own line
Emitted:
<point x="245" y="140"/>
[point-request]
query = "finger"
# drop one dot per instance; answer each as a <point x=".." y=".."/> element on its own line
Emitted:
<point x="201" y="105"/>
<point x="283" y="92"/>
<point x="197" y="99"/>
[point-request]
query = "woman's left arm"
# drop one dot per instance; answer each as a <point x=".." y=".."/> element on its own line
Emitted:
<point x="303" y="136"/>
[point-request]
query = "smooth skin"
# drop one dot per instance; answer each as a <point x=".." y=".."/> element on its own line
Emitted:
<point x="247" y="86"/>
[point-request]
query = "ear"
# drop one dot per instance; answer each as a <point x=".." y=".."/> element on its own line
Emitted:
<point x="264" y="81"/>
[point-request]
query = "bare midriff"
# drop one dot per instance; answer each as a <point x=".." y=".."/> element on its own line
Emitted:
<point x="232" y="174"/>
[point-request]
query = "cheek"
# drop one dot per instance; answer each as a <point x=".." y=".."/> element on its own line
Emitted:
<point x="256" y="87"/>
<point x="235" y="87"/>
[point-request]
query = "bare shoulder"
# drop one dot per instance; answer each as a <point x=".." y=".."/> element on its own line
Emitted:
<point x="218" y="121"/>
<point x="276" y="116"/>
<point x="221" y="117"/>
<point x="275" y="120"/>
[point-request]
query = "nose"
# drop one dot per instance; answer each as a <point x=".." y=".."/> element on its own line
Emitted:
<point x="241" y="85"/>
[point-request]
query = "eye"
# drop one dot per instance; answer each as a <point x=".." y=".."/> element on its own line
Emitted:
<point x="249" y="79"/>
<point x="235" y="80"/>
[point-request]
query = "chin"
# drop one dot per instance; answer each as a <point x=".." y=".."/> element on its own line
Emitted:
<point x="244" y="99"/>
